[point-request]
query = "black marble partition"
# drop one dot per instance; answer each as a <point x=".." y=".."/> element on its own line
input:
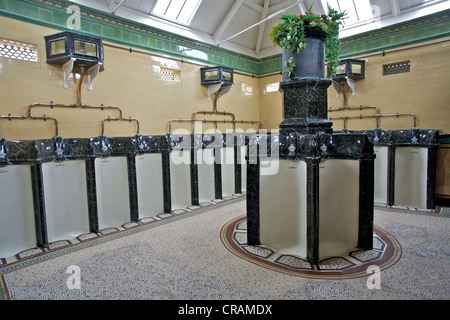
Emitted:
<point x="393" y="139"/>
<point x="305" y="106"/>
<point x="312" y="148"/>
<point x="37" y="152"/>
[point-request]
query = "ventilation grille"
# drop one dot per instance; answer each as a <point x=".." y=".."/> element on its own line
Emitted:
<point x="18" y="50"/>
<point x="396" y="68"/>
<point x="272" y="87"/>
<point x="170" y="75"/>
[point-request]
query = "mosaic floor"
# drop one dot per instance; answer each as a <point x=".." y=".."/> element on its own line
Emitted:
<point x="184" y="257"/>
<point x="386" y="252"/>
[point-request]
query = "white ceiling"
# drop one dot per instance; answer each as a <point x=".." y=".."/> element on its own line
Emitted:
<point x="218" y="21"/>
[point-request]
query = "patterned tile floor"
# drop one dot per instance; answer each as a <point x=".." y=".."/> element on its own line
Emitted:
<point x="386" y="252"/>
<point x="183" y="257"/>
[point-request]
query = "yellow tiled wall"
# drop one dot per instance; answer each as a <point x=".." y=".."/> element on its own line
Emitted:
<point x="423" y="92"/>
<point x="130" y="81"/>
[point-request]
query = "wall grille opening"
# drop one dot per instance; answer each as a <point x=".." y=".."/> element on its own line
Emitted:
<point x="19" y="50"/>
<point x="396" y="68"/>
<point x="273" y="87"/>
<point x="170" y="75"/>
<point x="247" y="89"/>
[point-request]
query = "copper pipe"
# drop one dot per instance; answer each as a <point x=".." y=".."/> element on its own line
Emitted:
<point x="354" y="108"/>
<point x="79" y="87"/>
<point x="377" y="116"/>
<point x="215" y="100"/>
<point x="45" y="118"/>
<point x="216" y="122"/>
<point x="344" y="96"/>
<point x="119" y="119"/>
<point x="214" y="112"/>
<point x="59" y="105"/>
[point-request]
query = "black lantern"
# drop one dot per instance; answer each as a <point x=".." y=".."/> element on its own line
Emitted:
<point x="215" y="75"/>
<point x="350" y="68"/>
<point x="62" y="47"/>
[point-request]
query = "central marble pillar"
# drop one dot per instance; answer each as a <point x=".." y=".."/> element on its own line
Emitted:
<point x="305" y="106"/>
<point x="316" y="202"/>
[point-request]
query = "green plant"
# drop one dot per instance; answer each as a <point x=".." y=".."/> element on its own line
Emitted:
<point x="291" y="36"/>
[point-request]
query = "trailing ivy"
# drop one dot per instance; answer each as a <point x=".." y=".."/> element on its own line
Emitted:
<point x="290" y="35"/>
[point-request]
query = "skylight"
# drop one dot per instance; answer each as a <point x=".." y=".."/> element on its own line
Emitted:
<point x="180" y="11"/>
<point x="356" y="10"/>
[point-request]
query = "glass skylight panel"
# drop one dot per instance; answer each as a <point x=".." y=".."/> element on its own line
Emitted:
<point x="356" y="10"/>
<point x="180" y="11"/>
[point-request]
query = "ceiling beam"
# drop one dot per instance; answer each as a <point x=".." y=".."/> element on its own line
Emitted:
<point x="282" y="5"/>
<point x="253" y="5"/>
<point x="262" y="26"/>
<point x="395" y="8"/>
<point x="113" y="11"/>
<point x="237" y="4"/>
<point x="302" y="7"/>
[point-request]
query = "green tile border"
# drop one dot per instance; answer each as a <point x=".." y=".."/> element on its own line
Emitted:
<point x="117" y="30"/>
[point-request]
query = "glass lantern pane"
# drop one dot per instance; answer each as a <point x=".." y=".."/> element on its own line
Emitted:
<point x="85" y="48"/>
<point x="58" y="47"/>
<point x="226" y="76"/>
<point x="356" y="68"/>
<point x="211" y="75"/>
<point x="341" y="69"/>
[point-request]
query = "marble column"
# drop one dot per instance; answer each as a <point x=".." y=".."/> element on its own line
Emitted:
<point x="305" y="103"/>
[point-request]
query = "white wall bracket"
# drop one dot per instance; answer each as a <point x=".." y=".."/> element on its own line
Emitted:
<point x="336" y="86"/>
<point x="351" y="84"/>
<point x="67" y="70"/>
<point x="92" y="73"/>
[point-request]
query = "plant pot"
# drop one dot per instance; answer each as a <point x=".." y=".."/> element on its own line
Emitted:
<point x="310" y="62"/>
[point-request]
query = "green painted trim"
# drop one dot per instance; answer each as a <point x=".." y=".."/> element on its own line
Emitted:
<point x="117" y="30"/>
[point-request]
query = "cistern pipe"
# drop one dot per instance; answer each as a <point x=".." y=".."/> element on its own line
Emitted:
<point x="376" y="116"/>
<point x="213" y="112"/>
<point x="120" y="119"/>
<point x="44" y="118"/>
<point x="343" y="108"/>
<point x="72" y="106"/>
<point x="216" y="122"/>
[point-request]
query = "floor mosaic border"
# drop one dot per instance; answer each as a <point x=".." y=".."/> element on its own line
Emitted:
<point x="59" y="247"/>
<point x="387" y="251"/>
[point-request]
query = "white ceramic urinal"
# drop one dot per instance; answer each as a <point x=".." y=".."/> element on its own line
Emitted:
<point x="149" y="184"/>
<point x="113" y="204"/>
<point x="17" y="226"/>
<point x="180" y="179"/>
<point x="65" y="195"/>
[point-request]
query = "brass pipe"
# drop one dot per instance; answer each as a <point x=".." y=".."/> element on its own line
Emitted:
<point x="216" y="122"/>
<point x="376" y="116"/>
<point x="343" y="108"/>
<point x="215" y="100"/>
<point x="60" y="105"/>
<point x="45" y="118"/>
<point x="79" y="87"/>
<point x="214" y="112"/>
<point x="120" y="119"/>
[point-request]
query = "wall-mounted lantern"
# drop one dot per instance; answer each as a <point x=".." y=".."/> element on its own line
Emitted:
<point x="70" y="49"/>
<point x="214" y="75"/>
<point x="349" y="70"/>
<point x="218" y="79"/>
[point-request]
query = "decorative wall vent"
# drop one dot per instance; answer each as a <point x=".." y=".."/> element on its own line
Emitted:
<point x="273" y="87"/>
<point x="18" y="50"/>
<point x="170" y="75"/>
<point x="247" y="89"/>
<point x="396" y="68"/>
